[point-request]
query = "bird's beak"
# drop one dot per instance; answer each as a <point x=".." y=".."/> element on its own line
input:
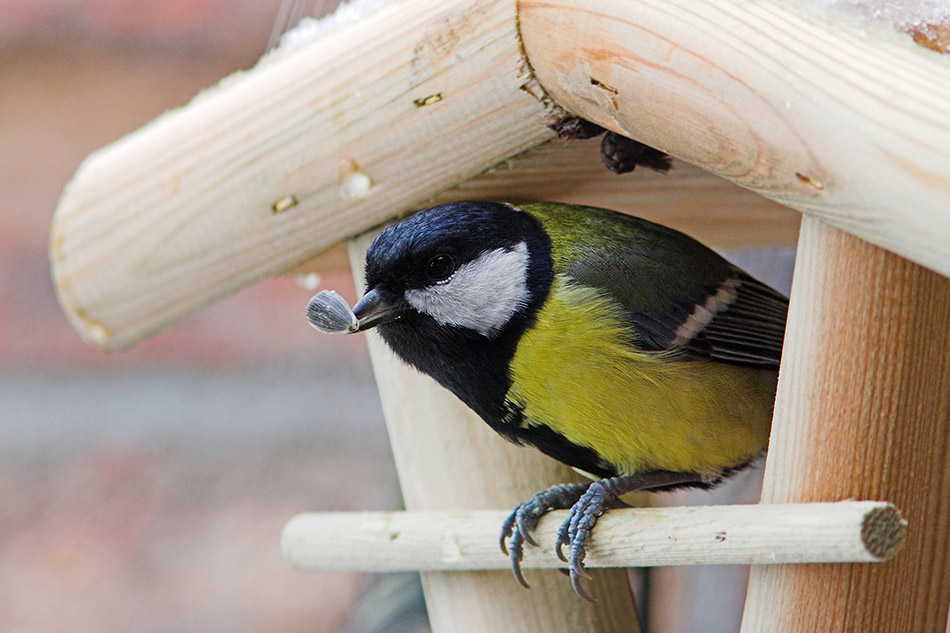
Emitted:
<point x="373" y="309"/>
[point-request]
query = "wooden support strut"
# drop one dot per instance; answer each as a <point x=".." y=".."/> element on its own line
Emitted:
<point x="449" y="459"/>
<point x="862" y="411"/>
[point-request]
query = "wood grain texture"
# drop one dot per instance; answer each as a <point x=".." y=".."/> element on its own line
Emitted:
<point x="711" y="209"/>
<point x="847" y="531"/>
<point x="849" y="122"/>
<point x="862" y="411"/>
<point x="449" y="459"/>
<point x="281" y="162"/>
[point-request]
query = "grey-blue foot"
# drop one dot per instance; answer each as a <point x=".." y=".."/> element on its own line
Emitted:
<point x="587" y="503"/>
<point x="575" y="532"/>
<point x="600" y="496"/>
<point x="522" y="521"/>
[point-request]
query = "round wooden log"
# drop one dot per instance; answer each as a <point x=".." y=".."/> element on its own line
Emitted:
<point x="841" y="119"/>
<point x="862" y="411"/>
<point x="283" y="161"/>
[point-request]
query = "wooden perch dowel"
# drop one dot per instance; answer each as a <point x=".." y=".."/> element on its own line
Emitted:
<point x="849" y="531"/>
<point x="849" y="122"/>
<point x="290" y="158"/>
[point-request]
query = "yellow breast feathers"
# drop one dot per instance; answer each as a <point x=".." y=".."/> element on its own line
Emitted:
<point x="578" y="371"/>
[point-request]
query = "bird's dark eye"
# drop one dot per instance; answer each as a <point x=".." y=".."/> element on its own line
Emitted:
<point x="440" y="267"/>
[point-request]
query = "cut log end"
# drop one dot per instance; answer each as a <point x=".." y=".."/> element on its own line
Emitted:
<point x="882" y="531"/>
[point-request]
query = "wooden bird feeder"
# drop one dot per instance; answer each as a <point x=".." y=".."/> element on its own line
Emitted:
<point x="412" y="103"/>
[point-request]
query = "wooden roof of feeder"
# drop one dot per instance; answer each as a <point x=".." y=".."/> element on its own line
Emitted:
<point x="435" y="99"/>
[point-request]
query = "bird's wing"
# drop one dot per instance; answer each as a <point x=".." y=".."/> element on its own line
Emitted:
<point x="706" y="307"/>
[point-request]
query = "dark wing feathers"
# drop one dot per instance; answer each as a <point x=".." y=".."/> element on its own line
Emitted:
<point x="658" y="331"/>
<point x="741" y="321"/>
<point x="707" y="307"/>
<point x="751" y="329"/>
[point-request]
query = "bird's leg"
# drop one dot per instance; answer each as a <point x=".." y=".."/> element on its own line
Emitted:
<point x="524" y="518"/>
<point x="598" y="498"/>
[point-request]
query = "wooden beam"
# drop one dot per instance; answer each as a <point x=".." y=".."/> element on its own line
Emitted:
<point x="842" y="120"/>
<point x="862" y="411"/>
<point x="848" y="531"/>
<point x="709" y="208"/>
<point x="379" y="116"/>
<point x="283" y="161"/>
<point x="448" y="459"/>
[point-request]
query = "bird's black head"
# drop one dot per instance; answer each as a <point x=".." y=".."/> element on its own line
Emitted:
<point x="452" y="288"/>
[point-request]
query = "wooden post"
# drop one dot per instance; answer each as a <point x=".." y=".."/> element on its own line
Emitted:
<point x="449" y="459"/>
<point x="862" y="411"/>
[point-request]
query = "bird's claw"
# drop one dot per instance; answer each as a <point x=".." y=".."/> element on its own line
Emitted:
<point x="575" y="532"/>
<point x="587" y="503"/>
<point x="515" y="532"/>
<point x="506" y="529"/>
<point x="515" y="554"/>
<point x="517" y="528"/>
<point x="526" y="524"/>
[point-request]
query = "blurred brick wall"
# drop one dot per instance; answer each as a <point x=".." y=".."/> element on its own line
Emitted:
<point x="145" y="491"/>
<point x="222" y="29"/>
<point x="75" y="75"/>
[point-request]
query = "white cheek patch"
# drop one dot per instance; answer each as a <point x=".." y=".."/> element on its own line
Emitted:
<point x="482" y="295"/>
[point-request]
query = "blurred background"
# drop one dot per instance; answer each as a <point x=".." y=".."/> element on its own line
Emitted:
<point x="145" y="490"/>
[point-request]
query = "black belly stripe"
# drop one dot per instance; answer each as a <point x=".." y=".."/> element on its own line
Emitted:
<point x="551" y="443"/>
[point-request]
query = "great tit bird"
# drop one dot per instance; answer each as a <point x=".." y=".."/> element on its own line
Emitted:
<point x="620" y="347"/>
